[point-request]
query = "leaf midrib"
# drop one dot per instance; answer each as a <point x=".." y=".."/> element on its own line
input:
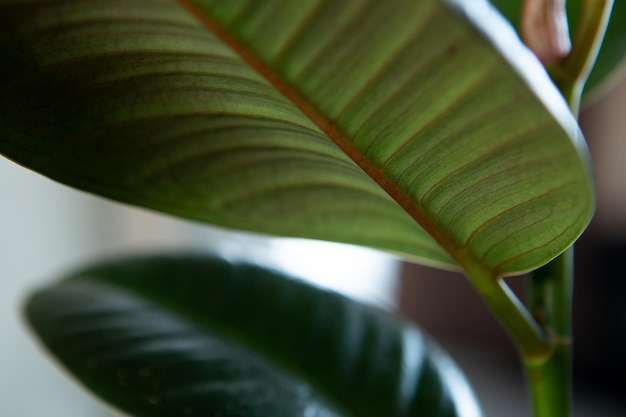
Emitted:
<point x="459" y="253"/>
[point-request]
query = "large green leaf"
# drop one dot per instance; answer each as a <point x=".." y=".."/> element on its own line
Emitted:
<point x="252" y="114"/>
<point x="613" y="52"/>
<point x="193" y="336"/>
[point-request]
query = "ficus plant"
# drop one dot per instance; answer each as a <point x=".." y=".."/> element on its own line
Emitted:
<point x="421" y="128"/>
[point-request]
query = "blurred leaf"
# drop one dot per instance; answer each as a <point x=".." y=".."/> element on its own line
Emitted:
<point x="252" y="114"/>
<point x="179" y="336"/>
<point x="613" y="53"/>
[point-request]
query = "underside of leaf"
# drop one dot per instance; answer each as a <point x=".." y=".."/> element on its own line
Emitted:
<point x="422" y="128"/>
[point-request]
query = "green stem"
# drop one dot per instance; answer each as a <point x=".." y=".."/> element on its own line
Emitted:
<point x="550" y="302"/>
<point x="529" y="338"/>
<point x="552" y="285"/>
<point x="551" y="294"/>
<point x="550" y="384"/>
<point x="571" y="73"/>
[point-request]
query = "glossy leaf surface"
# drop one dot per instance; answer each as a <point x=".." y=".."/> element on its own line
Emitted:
<point x="192" y="336"/>
<point x="252" y="114"/>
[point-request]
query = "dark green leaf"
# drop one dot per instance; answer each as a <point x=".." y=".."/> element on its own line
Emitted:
<point x="195" y="336"/>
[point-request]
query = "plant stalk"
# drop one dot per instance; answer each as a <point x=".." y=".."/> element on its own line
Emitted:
<point x="571" y="73"/>
<point x="552" y="285"/>
<point x="527" y="336"/>
<point x="550" y="302"/>
<point x="550" y="383"/>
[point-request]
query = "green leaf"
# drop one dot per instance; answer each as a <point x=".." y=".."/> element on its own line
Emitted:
<point x="613" y="52"/>
<point x="199" y="336"/>
<point x="423" y="127"/>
